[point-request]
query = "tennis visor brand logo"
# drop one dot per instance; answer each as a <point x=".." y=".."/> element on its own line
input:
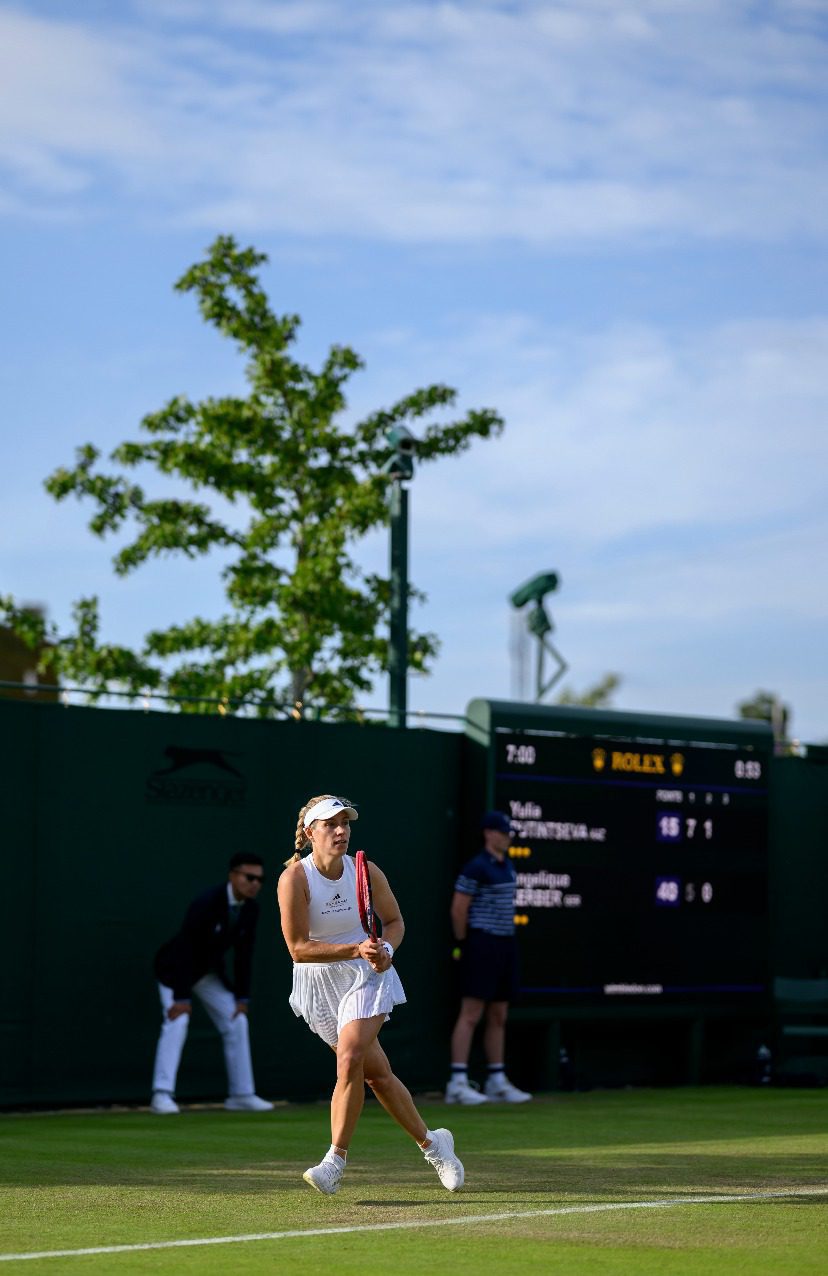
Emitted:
<point x="197" y="777"/>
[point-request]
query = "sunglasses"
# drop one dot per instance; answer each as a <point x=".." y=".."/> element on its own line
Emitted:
<point x="251" y="877"/>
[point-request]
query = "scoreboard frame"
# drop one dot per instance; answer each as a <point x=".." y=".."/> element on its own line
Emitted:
<point x="653" y="754"/>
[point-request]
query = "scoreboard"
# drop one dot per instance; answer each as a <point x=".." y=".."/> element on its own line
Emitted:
<point x="641" y="867"/>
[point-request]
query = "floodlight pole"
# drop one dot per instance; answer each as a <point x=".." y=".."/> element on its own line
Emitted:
<point x="398" y="637"/>
<point x="539" y="624"/>
<point x="541" y="686"/>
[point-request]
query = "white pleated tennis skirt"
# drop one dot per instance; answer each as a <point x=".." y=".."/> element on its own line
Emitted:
<point x="327" y="995"/>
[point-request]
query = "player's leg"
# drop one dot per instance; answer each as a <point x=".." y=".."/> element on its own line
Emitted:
<point x="171" y="1040"/>
<point x="355" y="1040"/>
<point x="352" y="1046"/>
<point x="437" y="1145"/>
<point x="391" y="1093"/>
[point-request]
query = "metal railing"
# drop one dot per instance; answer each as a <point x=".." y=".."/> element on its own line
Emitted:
<point x="223" y="706"/>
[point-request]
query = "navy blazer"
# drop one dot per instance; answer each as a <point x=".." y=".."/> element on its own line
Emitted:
<point x="200" y="946"/>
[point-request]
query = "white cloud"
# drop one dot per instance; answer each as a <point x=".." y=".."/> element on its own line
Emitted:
<point x="536" y="122"/>
<point x="288" y="17"/>
<point x="675" y="482"/>
<point x="634" y="432"/>
<point x="66" y="103"/>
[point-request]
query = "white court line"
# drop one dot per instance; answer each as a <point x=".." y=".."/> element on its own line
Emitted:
<point x="411" y="1225"/>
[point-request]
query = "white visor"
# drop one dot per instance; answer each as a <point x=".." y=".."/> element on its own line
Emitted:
<point x="326" y="808"/>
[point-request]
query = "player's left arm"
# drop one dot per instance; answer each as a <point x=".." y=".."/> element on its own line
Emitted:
<point x="386" y="907"/>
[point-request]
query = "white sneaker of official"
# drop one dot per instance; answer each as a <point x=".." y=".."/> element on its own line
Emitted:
<point x="501" y="1090"/>
<point x="247" y="1103"/>
<point x="460" y="1090"/>
<point x="163" y="1104"/>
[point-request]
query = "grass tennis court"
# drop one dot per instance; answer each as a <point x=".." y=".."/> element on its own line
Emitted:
<point x="535" y="1176"/>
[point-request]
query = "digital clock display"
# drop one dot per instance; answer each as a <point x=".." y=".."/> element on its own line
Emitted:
<point x="642" y="867"/>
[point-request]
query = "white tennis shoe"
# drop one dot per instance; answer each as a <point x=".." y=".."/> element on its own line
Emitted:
<point x="326" y="1176"/>
<point x="441" y="1155"/>
<point x="501" y="1090"/>
<point x="163" y="1104"/>
<point x="462" y="1091"/>
<point x="247" y="1103"/>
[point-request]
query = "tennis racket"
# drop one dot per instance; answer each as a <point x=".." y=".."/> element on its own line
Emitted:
<point x="365" y="897"/>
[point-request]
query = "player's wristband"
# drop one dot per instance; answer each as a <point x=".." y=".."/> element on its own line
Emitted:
<point x="388" y="948"/>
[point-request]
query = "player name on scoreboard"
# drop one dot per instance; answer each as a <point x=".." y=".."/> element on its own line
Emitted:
<point x="528" y="823"/>
<point x="546" y="890"/>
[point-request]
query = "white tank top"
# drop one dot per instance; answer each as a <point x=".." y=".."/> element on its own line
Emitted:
<point x="334" y="916"/>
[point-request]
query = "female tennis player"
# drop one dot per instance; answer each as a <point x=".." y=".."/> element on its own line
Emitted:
<point x="345" y="985"/>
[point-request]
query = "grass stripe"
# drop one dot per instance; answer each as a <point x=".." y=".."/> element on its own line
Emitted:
<point x="413" y="1225"/>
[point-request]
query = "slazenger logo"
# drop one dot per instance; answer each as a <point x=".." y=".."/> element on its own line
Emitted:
<point x="196" y="777"/>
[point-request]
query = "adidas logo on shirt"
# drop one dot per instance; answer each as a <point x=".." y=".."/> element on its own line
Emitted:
<point x="336" y="905"/>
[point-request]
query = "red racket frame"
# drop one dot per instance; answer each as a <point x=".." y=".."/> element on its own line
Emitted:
<point x="365" y="896"/>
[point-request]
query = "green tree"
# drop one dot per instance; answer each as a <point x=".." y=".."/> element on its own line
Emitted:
<point x="766" y="706"/>
<point x="598" y="696"/>
<point x="304" y="625"/>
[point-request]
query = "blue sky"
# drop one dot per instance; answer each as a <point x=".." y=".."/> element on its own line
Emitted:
<point x="607" y="220"/>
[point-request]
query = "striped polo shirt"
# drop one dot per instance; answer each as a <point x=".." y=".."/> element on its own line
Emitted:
<point x="491" y="883"/>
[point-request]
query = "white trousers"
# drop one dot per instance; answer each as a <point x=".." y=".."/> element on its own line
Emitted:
<point x="220" y="1005"/>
